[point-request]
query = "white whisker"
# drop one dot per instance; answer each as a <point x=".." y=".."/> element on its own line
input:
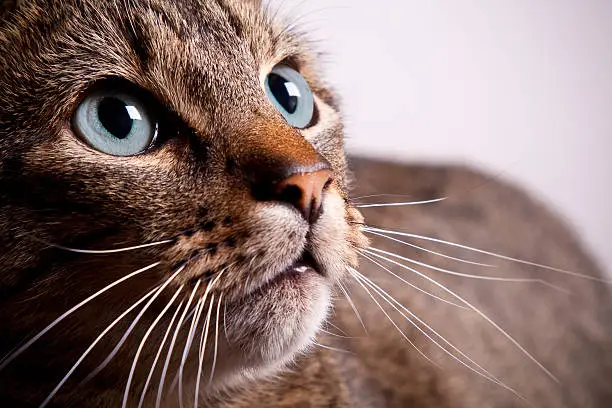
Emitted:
<point x="127" y="333"/>
<point x="437" y="200"/>
<point x="161" y="347"/>
<point x="225" y="320"/>
<point x="190" y="315"/>
<point x="410" y="284"/>
<point x="202" y="350"/>
<point x="214" y="364"/>
<point x="337" y="328"/>
<point x="385" y="295"/>
<point x="472" y="307"/>
<point x="192" y="334"/>
<point x="382" y="195"/>
<point x="493" y="254"/>
<point x="95" y="342"/>
<point x="390" y="319"/>
<point x="353" y="306"/>
<point x="111" y="251"/>
<point x="332" y="348"/>
<point x="337" y="335"/>
<point x="160" y="388"/>
<point x="192" y="329"/>
<point x="142" y="344"/>
<point x="430" y="251"/>
<point x="470" y="276"/>
<point x="389" y="299"/>
<point x="12" y="356"/>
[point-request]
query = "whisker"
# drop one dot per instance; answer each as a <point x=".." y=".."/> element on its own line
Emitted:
<point x="214" y="364"/>
<point x="336" y="334"/>
<point x="337" y="328"/>
<point x="225" y="320"/>
<point x="127" y="333"/>
<point x="6" y="360"/>
<point x="110" y="251"/>
<point x="172" y="342"/>
<point x="190" y="314"/>
<point x="202" y="350"/>
<point x="382" y="195"/>
<point x="332" y="348"/>
<point x="483" y="373"/>
<point x="470" y="276"/>
<point x="192" y="334"/>
<point x="161" y="347"/>
<point x="389" y="318"/>
<point x="194" y="322"/>
<point x="437" y="200"/>
<point x="353" y="306"/>
<point x="430" y="251"/>
<point x="143" y="342"/>
<point x="410" y="284"/>
<point x="475" y="309"/>
<point x="493" y="254"/>
<point x="384" y="295"/>
<point x="92" y="345"/>
<point x="387" y="297"/>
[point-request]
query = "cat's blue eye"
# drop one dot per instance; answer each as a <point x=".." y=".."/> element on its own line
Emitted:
<point x="115" y="123"/>
<point x="291" y="95"/>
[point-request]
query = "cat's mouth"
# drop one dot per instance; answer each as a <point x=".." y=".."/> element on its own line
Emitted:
<point x="305" y="264"/>
<point x="304" y="268"/>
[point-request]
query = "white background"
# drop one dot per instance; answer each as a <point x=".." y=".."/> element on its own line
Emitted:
<point x="521" y="88"/>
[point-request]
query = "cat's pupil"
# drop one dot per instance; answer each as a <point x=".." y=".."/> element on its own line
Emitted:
<point x="115" y="116"/>
<point x="284" y="91"/>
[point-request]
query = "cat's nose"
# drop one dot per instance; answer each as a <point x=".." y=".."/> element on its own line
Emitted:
<point x="304" y="190"/>
<point x="278" y="164"/>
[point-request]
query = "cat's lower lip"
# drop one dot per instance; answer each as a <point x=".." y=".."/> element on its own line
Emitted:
<point x="304" y="266"/>
<point x="300" y="272"/>
<point x="306" y="262"/>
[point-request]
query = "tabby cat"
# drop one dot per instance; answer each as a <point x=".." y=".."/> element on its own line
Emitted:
<point x="176" y="230"/>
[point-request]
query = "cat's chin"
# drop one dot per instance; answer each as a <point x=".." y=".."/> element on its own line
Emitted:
<point x="277" y="320"/>
<point x="267" y="329"/>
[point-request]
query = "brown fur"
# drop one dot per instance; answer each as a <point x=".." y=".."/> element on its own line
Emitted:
<point x="205" y="187"/>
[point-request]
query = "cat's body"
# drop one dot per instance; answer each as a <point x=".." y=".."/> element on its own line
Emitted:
<point x="240" y="197"/>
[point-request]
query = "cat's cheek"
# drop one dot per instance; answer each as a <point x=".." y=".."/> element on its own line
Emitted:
<point x="355" y="238"/>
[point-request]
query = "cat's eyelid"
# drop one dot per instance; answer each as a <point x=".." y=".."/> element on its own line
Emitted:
<point x="288" y="60"/>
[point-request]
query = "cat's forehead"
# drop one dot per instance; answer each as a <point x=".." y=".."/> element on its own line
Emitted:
<point x="211" y="29"/>
<point x="189" y="53"/>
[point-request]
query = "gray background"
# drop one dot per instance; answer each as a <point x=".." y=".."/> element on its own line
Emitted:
<point x="521" y="88"/>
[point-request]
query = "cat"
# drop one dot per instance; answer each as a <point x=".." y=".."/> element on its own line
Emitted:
<point x="179" y="227"/>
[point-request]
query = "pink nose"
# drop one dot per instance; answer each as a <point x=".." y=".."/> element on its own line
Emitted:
<point x="304" y="191"/>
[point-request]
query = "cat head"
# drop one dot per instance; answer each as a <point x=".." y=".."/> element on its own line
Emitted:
<point x="198" y="131"/>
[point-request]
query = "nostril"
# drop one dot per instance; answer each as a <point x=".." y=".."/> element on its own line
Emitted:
<point x="328" y="183"/>
<point x="316" y="209"/>
<point x="305" y="192"/>
<point x="291" y="194"/>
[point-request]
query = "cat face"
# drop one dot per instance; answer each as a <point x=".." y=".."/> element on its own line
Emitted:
<point x="185" y="127"/>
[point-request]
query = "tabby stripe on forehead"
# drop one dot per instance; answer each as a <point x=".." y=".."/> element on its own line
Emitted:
<point x="139" y="40"/>
<point x="233" y="20"/>
<point x="170" y="21"/>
